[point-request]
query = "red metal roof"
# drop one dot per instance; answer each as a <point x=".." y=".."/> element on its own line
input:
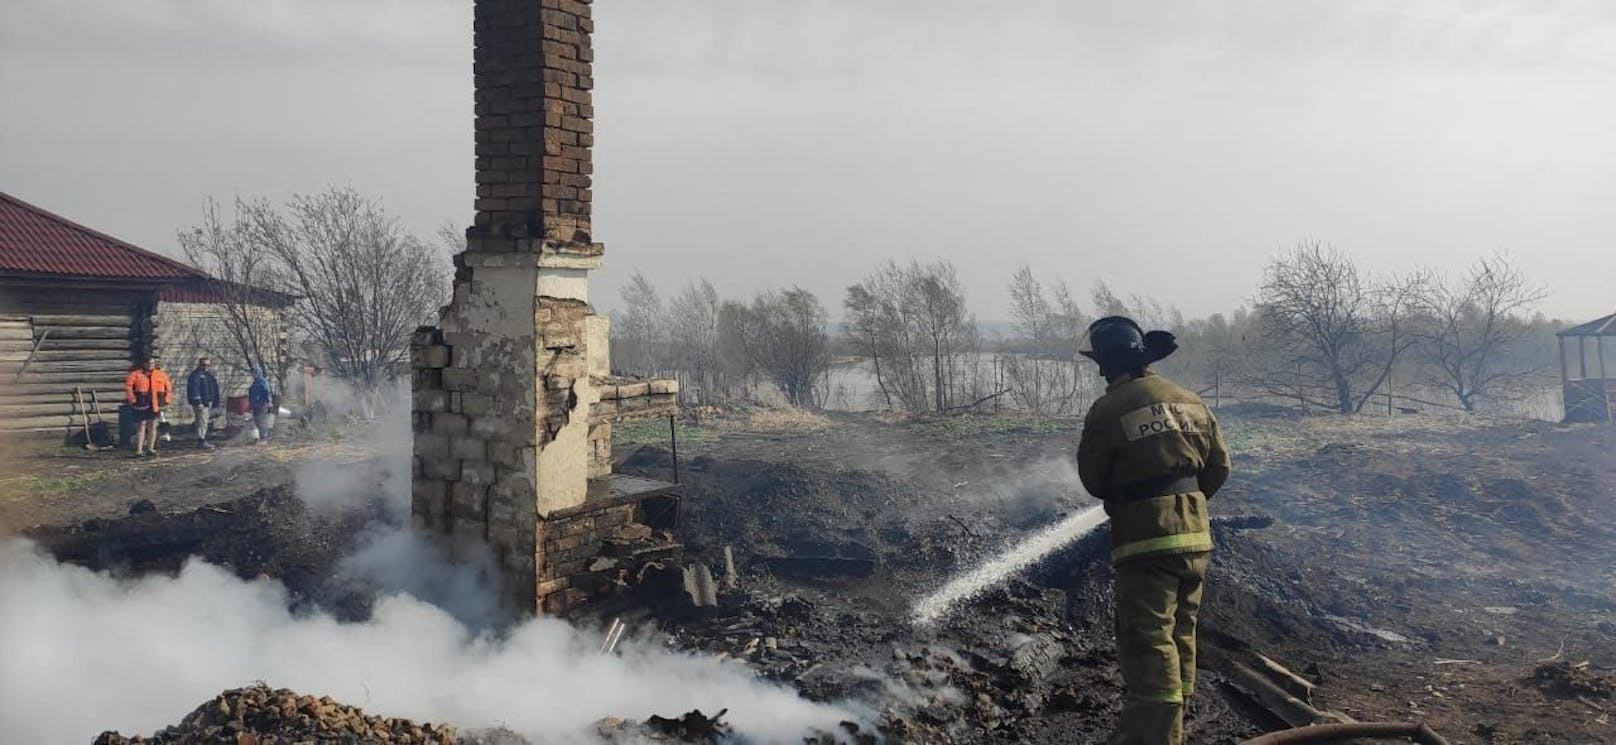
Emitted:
<point x="220" y="291"/>
<point x="35" y="241"/>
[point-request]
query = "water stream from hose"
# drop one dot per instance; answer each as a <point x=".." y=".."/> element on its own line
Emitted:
<point x="993" y="571"/>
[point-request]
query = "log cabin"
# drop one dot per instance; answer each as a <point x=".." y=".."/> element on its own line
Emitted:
<point x="79" y="308"/>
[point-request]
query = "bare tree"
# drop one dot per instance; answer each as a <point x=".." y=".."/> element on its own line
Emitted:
<point x="949" y="330"/>
<point x="1475" y="323"/>
<point x="913" y="324"/>
<point x="249" y="335"/>
<point x="735" y="358"/>
<point x="1316" y="304"/>
<point x="365" y="282"/>
<point x="1106" y="302"/>
<point x="1397" y="313"/>
<point x="1216" y="346"/>
<point x="1041" y="379"/>
<point x="866" y="330"/>
<point x="1069" y="329"/>
<point x="784" y="334"/>
<point x="693" y="339"/>
<point x="640" y="330"/>
<point x="883" y="307"/>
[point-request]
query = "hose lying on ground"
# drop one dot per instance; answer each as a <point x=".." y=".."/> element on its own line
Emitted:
<point x="1337" y="732"/>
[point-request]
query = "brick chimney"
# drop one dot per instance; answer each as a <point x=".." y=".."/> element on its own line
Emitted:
<point x="504" y="386"/>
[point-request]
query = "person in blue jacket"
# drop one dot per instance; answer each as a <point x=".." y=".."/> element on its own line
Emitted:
<point x="261" y="397"/>
<point x="202" y="393"/>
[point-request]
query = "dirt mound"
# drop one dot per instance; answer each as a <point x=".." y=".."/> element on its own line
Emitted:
<point x="1566" y="680"/>
<point x="260" y="716"/>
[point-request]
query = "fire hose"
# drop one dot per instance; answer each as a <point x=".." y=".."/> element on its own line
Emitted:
<point x="1337" y="732"/>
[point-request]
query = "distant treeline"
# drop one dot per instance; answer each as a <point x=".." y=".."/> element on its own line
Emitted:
<point x="1323" y="333"/>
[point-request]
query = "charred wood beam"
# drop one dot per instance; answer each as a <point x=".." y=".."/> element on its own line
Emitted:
<point x="1416" y="731"/>
<point x="1279" y="702"/>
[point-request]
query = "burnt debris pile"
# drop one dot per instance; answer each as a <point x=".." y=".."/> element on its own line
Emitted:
<point x="1574" y="680"/>
<point x="258" y="715"/>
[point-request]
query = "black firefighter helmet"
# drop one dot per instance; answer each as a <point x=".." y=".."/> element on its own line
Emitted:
<point x="1118" y="342"/>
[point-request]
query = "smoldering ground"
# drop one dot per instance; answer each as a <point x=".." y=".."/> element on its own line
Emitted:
<point x="87" y="651"/>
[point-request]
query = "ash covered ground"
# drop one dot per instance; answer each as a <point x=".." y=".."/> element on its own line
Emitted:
<point x="1458" y="572"/>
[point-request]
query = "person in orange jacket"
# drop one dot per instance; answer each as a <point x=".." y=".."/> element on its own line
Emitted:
<point x="147" y="390"/>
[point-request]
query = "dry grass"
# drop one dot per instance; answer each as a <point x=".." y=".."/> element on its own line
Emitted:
<point x="1289" y="435"/>
<point x="774" y="419"/>
<point x="703" y="424"/>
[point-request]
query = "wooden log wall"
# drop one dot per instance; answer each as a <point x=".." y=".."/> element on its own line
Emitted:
<point x="52" y="342"/>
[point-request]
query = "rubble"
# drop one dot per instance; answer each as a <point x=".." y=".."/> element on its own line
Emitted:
<point x="692" y="727"/>
<point x="1573" y="681"/>
<point x="257" y="715"/>
<point x="989" y="674"/>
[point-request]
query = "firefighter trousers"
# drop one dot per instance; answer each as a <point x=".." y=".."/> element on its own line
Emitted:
<point x="1158" y="598"/>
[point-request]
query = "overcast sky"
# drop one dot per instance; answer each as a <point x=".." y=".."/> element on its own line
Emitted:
<point x="1170" y="148"/>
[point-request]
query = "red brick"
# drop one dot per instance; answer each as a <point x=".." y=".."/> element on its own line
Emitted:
<point x="560" y="19"/>
<point x="558" y="50"/>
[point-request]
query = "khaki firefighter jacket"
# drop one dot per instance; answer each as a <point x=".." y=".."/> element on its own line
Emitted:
<point x="1151" y="449"/>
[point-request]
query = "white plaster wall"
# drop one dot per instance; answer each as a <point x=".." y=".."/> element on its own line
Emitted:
<point x="567" y="284"/>
<point x="499" y="306"/>
<point x="564" y="462"/>
<point x="597" y="340"/>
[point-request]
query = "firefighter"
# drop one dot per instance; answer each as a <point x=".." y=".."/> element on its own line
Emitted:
<point x="147" y="390"/>
<point x="1152" y="451"/>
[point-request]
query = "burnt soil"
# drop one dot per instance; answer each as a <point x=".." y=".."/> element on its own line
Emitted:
<point x="1457" y="572"/>
<point x="1416" y="569"/>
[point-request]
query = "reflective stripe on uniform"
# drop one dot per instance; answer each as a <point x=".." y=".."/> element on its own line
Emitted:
<point x="1158" y="697"/>
<point x="1179" y="542"/>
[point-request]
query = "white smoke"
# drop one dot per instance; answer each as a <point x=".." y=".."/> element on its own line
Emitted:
<point x="394" y="561"/>
<point x="84" y="652"/>
<point x="1037" y="490"/>
<point x="379" y="432"/>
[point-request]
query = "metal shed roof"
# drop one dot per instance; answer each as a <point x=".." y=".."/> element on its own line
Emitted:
<point x="1598" y="327"/>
